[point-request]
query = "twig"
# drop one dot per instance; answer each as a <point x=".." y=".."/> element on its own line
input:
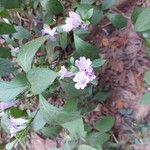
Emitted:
<point x="21" y="18"/>
<point x="114" y="138"/>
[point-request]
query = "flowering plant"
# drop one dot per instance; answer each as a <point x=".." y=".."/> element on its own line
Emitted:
<point x="51" y="60"/>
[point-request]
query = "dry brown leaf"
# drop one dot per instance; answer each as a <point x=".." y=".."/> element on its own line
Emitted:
<point x="105" y="41"/>
<point x="120" y="104"/>
<point x="37" y="143"/>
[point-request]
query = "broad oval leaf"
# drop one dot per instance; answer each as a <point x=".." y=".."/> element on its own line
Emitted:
<point x="6" y="28"/>
<point x="21" y="33"/>
<point x="105" y="124"/>
<point x="97" y="16"/>
<point x="28" y="51"/>
<point x="40" y="79"/>
<point x="9" y="90"/>
<point x="54" y="115"/>
<point x="143" y="21"/>
<point x="97" y="138"/>
<point x="136" y="12"/>
<point x="98" y="62"/>
<point x="85" y="49"/>
<point x="55" y="7"/>
<point x="117" y="20"/>
<point x="76" y="128"/>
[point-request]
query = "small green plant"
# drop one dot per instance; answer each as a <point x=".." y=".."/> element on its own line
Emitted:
<point x="44" y="57"/>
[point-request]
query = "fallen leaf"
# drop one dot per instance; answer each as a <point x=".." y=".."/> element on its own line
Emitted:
<point x="120" y="104"/>
<point x="105" y="41"/>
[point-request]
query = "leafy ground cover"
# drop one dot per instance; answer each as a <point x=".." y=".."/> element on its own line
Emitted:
<point x="74" y="75"/>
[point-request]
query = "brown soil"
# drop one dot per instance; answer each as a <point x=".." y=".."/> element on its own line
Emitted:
<point x="122" y="74"/>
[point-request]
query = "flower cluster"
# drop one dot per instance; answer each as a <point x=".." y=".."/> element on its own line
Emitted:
<point x="16" y="125"/>
<point x="48" y="31"/>
<point x="84" y="75"/>
<point x="72" y="22"/>
<point x="8" y="104"/>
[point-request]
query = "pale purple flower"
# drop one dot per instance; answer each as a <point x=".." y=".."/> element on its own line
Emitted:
<point x="1" y="114"/>
<point x="48" y="31"/>
<point x="14" y="50"/>
<point x="86" y="73"/>
<point x="90" y="73"/>
<point x="72" y="22"/>
<point x="65" y="73"/>
<point x="16" y="125"/>
<point x="82" y="63"/>
<point x="36" y="21"/>
<point x="85" y="26"/>
<point x="81" y="80"/>
<point x="8" y="104"/>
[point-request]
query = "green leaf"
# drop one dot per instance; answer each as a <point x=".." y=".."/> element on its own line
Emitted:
<point x="40" y="79"/>
<point x="146" y="98"/>
<point x="86" y="147"/>
<point x="83" y="9"/>
<point x="2" y="6"/>
<point x="81" y="33"/>
<point x="97" y="16"/>
<point x="17" y="113"/>
<point x="147" y="77"/>
<point x="4" y="14"/>
<point x="143" y="21"/>
<point x="63" y="40"/>
<point x="87" y="1"/>
<point x="21" y="33"/>
<point x="28" y="51"/>
<point x="54" y="115"/>
<point x="5" y="52"/>
<point x="55" y="7"/>
<point x="9" y="4"/>
<point x="69" y="89"/>
<point x="9" y="90"/>
<point x="107" y="4"/>
<point x="105" y="124"/>
<point x="117" y="20"/>
<point x="70" y="105"/>
<point x="6" y="28"/>
<point x="136" y="13"/>
<point x="89" y="13"/>
<point x="5" y="67"/>
<point x="76" y="128"/>
<point x="101" y="96"/>
<point x="96" y="63"/>
<point x="97" y="138"/>
<point x="51" y="131"/>
<point x="38" y="121"/>
<point x="85" y="49"/>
